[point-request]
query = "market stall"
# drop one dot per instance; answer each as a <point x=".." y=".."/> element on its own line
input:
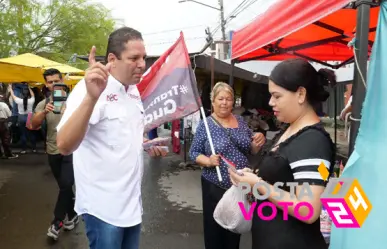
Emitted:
<point x="30" y="67"/>
<point x="319" y="31"/>
<point x="333" y="33"/>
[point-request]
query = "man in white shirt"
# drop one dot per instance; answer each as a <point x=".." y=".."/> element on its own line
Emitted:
<point x="5" y="137"/>
<point x="103" y="127"/>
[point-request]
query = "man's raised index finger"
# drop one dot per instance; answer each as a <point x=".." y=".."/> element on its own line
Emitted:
<point x="92" y="56"/>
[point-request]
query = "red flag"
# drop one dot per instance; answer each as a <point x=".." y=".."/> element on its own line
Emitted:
<point x="168" y="89"/>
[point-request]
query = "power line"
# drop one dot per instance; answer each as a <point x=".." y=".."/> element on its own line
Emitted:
<point x="239" y="9"/>
<point x="231" y="15"/>
<point x="246" y="7"/>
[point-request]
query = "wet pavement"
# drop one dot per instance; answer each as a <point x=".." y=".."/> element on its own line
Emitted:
<point x="171" y="200"/>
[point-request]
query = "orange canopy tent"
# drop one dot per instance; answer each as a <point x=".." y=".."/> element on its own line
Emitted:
<point x="316" y="30"/>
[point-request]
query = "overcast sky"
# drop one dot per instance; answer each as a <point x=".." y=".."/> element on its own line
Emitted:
<point x="160" y="21"/>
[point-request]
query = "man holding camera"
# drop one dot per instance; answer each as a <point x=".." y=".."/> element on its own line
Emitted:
<point x="61" y="165"/>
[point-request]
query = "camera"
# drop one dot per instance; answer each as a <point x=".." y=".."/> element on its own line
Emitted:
<point x="59" y="96"/>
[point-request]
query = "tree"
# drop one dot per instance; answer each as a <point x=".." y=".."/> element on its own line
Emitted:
<point x="55" y="31"/>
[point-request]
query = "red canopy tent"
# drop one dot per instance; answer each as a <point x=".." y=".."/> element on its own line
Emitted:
<point x="315" y="30"/>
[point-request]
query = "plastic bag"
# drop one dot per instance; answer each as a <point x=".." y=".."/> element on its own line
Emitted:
<point x="325" y="225"/>
<point x="228" y="213"/>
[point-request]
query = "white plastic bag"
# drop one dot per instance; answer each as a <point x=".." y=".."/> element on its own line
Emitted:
<point x="325" y="224"/>
<point x="228" y="213"/>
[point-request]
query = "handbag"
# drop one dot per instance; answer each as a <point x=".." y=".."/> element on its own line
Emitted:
<point x="29" y="123"/>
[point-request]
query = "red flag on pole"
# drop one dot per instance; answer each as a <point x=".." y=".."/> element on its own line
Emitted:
<point x="168" y="89"/>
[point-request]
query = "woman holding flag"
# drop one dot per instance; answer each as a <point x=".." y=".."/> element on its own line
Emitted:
<point x="233" y="141"/>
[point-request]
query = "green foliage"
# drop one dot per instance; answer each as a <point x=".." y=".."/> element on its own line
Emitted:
<point x="55" y="31"/>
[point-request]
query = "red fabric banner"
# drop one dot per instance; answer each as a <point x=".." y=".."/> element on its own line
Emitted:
<point x="168" y="89"/>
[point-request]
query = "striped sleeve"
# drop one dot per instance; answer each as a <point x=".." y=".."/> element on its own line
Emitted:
<point x="310" y="150"/>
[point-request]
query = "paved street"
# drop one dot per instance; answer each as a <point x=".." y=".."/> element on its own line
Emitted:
<point x="171" y="199"/>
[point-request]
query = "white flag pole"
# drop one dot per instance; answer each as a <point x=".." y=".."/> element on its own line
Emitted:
<point x="210" y="140"/>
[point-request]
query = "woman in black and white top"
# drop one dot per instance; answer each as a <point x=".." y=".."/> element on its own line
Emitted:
<point x="293" y="156"/>
<point x="25" y="105"/>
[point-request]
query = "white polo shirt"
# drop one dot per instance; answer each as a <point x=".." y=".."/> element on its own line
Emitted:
<point x="108" y="165"/>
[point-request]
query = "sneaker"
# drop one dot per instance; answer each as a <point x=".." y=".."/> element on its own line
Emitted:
<point x="13" y="156"/>
<point x="69" y="225"/>
<point x="54" y="230"/>
<point x="23" y="152"/>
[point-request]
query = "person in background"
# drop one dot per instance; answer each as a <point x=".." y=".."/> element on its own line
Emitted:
<point x="347" y="109"/>
<point x="152" y="134"/>
<point x="175" y="135"/>
<point x="103" y="126"/>
<point x="234" y="140"/>
<point x="25" y="105"/>
<point x="294" y="156"/>
<point x="61" y="165"/>
<point x="5" y="114"/>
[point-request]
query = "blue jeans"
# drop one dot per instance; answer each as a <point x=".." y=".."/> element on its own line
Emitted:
<point x="102" y="235"/>
<point x="25" y="133"/>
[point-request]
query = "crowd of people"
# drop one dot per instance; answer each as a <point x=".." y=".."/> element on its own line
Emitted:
<point x="96" y="144"/>
<point x="14" y="115"/>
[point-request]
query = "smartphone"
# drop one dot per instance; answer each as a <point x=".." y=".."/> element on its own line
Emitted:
<point x="164" y="148"/>
<point x="160" y="141"/>
<point x="231" y="165"/>
<point x="59" y="96"/>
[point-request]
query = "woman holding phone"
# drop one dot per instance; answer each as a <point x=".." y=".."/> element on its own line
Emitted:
<point x="234" y="141"/>
<point x="295" y="155"/>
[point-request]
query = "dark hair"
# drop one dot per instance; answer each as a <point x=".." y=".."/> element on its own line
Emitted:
<point x="118" y="39"/>
<point x="45" y="92"/>
<point x="294" y="73"/>
<point x="51" y="72"/>
<point x="25" y="94"/>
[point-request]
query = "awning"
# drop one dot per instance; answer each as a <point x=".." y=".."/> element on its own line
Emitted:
<point x="72" y="80"/>
<point x="315" y="30"/>
<point x="29" y="68"/>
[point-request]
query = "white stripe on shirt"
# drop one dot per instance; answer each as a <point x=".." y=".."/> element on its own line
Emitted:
<point x="310" y="162"/>
<point x="307" y="175"/>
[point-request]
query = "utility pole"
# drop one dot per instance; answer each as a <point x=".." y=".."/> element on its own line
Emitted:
<point x="220" y="9"/>
<point x="222" y="21"/>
